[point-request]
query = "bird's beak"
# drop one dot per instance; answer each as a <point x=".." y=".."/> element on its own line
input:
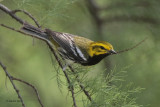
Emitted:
<point x="112" y="51"/>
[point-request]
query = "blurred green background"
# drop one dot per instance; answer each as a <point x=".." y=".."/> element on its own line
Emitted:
<point x="122" y="23"/>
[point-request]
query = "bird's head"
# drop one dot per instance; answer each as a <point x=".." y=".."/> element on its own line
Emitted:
<point x="101" y="48"/>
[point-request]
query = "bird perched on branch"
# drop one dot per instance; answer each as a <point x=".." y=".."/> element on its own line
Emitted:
<point x="74" y="48"/>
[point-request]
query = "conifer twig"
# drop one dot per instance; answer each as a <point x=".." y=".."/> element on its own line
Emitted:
<point x="32" y="86"/>
<point x="11" y="28"/>
<point x="8" y="11"/>
<point x="28" y="14"/>
<point x="19" y="31"/>
<point x="14" y="86"/>
<point x="81" y="86"/>
<point x="128" y="49"/>
<point x="11" y="78"/>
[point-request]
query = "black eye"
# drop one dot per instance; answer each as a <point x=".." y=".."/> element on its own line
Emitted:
<point x="102" y="47"/>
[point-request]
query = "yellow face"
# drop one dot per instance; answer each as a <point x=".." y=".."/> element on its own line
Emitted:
<point x="99" y="48"/>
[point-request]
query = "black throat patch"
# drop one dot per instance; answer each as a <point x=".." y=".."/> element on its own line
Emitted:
<point x="95" y="59"/>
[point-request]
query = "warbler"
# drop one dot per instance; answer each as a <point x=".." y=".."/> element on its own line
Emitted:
<point x="71" y="47"/>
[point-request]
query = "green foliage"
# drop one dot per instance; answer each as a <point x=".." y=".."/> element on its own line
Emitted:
<point x="107" y="93"/>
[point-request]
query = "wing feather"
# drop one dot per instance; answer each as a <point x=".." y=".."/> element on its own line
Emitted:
<point x="67" y="45"/>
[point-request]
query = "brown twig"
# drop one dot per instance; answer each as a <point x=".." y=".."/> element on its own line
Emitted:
<point x="33" y="87"/>
<point x="28" y="14"/>
<point x="3" y="25"/>
<point x="14" y="86"/>
<point x="19" y="31"/>
<point x="11" y="78"/>
<point x="8" y="11"/>
<point x="128" y="49"/>
<point x="81" y="86"/>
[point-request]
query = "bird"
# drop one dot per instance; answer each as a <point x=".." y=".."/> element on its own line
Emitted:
<point x="72" y="48"/>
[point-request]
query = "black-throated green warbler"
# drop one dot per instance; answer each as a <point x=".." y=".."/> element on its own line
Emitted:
<point x="71" y="47"/>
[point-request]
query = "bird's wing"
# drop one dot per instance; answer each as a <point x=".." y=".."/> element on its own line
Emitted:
<point x="68" y="48"/>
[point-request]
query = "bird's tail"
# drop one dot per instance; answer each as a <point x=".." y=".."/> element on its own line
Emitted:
<point x="35" y="32"/>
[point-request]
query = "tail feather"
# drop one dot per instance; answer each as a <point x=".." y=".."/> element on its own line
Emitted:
<point x="35" y="32"/>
